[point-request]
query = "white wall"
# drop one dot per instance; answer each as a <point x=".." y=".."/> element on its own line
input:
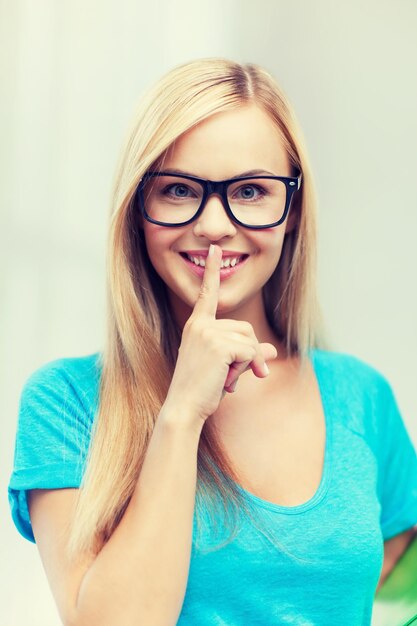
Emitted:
<point x="73" y="71"/>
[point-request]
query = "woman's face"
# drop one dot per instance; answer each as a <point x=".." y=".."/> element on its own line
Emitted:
<point x="224" y="146"/>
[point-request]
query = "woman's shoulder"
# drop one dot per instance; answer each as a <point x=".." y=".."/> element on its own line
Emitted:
<point x="79" y="365"/>
<point x="79" y="370"/>
<point x="357" y="391"/>
<point x="65" y="382"/>
<point x="347" y="367"/>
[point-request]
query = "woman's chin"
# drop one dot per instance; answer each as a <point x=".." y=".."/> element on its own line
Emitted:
<point x="226" y="307"/>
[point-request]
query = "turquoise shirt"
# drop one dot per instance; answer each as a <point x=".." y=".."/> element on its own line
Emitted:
<point x="332" y="545"/>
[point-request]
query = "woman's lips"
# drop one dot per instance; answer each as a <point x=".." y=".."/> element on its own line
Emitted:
<point x="225" y="272"/>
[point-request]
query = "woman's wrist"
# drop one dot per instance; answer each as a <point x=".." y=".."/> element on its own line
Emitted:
<point x="180" y="418"/>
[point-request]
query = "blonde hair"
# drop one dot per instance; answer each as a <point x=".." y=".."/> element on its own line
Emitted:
<point x="142" y="339"/>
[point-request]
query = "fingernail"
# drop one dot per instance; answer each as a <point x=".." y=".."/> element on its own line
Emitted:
<point x="211" y="250"/>
<point x="266" y="369"/>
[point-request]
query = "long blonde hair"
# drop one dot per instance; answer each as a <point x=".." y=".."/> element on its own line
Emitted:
<point x="142" y="338"/>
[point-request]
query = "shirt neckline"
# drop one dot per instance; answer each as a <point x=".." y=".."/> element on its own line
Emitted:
<point x="321" y="491"/>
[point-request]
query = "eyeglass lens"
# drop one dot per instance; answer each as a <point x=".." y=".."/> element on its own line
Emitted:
<point x="255" y="202"/>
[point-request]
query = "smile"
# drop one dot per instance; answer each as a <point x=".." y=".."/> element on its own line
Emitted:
<point x="230" y="265"/>
<point x="229" y="261"/>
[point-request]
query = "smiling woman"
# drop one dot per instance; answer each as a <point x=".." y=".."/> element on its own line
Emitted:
<point x="217" y="462"/>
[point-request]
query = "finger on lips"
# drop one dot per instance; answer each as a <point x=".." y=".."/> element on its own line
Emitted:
<point x="209" y="291"/>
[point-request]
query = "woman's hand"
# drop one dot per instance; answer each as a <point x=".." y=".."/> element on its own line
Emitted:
<point x="213" y="353"/>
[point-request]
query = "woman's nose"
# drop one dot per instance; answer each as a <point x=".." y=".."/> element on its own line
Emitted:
<point x="214" y="223"/>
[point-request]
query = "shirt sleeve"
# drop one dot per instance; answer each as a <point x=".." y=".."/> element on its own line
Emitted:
<point x="51" y="440"/>
<point x="397" y="462"/>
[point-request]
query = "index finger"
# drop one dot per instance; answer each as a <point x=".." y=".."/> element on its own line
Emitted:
<point x="208" y="297"/>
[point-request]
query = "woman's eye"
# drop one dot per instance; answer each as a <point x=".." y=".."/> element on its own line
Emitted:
<point x="177" y="190"/>
<point x="250" y="192"/>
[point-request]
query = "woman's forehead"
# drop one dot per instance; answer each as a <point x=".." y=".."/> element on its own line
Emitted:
<point x="230" y="143"/>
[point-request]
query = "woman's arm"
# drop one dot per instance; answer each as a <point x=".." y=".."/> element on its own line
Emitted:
<point x="394" y="548"/>
<point x="140" y="575"/>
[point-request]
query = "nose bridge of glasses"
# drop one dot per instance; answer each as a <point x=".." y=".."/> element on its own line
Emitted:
<point x="217" y="189"/>
<point x="214" y="218"/>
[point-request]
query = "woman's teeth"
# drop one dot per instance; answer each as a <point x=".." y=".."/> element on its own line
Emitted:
<point x="228" y="262"/>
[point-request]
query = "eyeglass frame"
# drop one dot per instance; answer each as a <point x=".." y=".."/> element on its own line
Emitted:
<point x="210" y="187"/>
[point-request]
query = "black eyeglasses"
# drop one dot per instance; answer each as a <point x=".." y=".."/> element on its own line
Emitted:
<point x="251" y="201"/>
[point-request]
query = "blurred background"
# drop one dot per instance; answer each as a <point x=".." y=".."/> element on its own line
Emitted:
<point x="72" y="73"/>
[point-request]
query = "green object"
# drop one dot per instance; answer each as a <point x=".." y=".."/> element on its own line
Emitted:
<point x="396" y="602"/>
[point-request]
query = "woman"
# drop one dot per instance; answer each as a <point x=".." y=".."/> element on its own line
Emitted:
<point x="234" y="470"/>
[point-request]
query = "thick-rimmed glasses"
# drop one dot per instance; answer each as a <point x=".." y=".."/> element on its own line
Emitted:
<point x="251" y="201"/>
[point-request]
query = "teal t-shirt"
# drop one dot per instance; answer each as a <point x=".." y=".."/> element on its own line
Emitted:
<point x="332" y="545"/>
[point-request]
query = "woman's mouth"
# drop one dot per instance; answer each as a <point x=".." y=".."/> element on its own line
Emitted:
<point x="230" y="264"/>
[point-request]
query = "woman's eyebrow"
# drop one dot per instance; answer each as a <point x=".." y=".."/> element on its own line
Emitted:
<point x="248" y="173"/>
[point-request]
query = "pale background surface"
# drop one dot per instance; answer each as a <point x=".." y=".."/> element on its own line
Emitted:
<point x="72" y="74"/>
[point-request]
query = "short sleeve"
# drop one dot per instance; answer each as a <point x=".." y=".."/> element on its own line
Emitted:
<point x="397" y="462"/>
<point x="53" y="433"/>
